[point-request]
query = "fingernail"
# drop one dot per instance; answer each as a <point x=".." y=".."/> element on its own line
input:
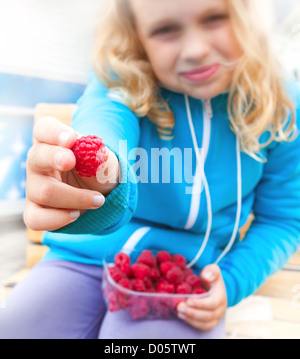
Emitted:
<point x="208" y="275"/>
<point x="190" y="303"/>
<point x="63" y="138"/>
<point x="181" y="308"/>
<point x="74" y="215"/>
<point x="99" y="200"/>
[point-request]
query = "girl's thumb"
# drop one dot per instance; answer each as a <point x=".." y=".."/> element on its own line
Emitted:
<point x="210" y="273"/>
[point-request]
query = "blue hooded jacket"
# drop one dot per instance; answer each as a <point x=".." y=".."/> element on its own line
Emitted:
<point x="189" y="194"/>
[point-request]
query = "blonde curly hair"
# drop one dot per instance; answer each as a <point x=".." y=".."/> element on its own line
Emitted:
<point x="258" y="100"/>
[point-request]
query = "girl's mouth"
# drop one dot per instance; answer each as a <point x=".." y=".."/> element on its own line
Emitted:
<point x="201" y="74"/>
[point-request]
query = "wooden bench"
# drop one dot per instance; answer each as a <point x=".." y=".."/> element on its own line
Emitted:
<point x="273" y="312"/>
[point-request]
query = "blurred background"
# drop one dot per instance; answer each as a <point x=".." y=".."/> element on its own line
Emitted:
<point x="45" y="48"/>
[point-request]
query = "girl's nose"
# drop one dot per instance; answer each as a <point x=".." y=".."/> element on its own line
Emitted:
<point x="195" y="47"/>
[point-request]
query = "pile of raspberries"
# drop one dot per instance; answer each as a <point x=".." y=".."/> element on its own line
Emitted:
<point x="161" y="273"/>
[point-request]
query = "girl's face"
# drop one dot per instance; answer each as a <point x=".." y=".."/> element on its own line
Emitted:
<point x="189" y="43"/>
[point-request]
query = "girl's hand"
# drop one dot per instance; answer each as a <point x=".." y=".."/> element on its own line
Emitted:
<point x="206" y="313"/>
<point x="55" y="194"/>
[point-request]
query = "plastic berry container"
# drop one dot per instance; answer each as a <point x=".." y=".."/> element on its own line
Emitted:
<point x="143" y="297"/>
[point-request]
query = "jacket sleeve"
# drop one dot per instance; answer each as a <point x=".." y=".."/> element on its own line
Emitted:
<point x="274" y="236"/>
<point x="97" y="114"/>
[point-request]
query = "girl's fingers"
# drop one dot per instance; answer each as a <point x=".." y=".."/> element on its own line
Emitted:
<point x="47" y="191"/>
<point x="208" y="304"/>
<point x="201" y="319"/>
<point x="39" y="218"/>
<point x="53" y="132"/>
<point x="194" y="314"/>
<point x="44" y="158"/>
<point x="205" y="313"/>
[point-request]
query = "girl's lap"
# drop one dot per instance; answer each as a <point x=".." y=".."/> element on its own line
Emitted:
<point x="61" y="300"/>
<point x="57" y="299"/>
<point x="119" y="325"/>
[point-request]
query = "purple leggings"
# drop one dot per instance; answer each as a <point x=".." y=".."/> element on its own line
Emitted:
<point x="63" y="300"/>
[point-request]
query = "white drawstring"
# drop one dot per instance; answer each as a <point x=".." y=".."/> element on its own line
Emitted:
<point x="197" y="185"/>
<point x="239" y="203"/>
<point x="208" y="199"/>
<point x="207" y="192"/>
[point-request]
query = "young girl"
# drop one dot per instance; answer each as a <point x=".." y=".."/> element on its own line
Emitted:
<point x="169" y="74"/>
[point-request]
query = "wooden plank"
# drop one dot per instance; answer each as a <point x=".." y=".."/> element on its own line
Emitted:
<point x="62" y="112"/>
<point x="287" y="310"/>
<point x="243" y="230"/>
<point x="260" y="317"/>
<point x="16" y="278"/>
<point x="295" y="260"/>
<point x="260" y="308"/>
<point x="10" y="283"/>
<point x="34" y="236"/>
<point x="281" y="285"/>
<point x="34" y="253"/>
<point x="284" y="330"/>
<point x="251" y="309"/>
<point x="274" y="329"/>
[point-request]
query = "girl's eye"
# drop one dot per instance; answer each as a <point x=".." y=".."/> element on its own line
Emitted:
<point x="216" y="18"/>
<point x="166" y="30"/>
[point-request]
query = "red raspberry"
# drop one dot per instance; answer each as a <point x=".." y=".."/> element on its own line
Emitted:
<point x="125" y="283"/>
<point x="187" y="272"/>
<point x="160" y="308"/>
<point x="140" y="270"/>
<point x="151" y="290"/>
<point x="147" y="257"/>
<point x="199" y="291"/>
<point x="122" y="261"/>
<point x="179" y="260"/>
<point x="154" y="274"/>
<point x="193" y="280"/>
<point x="183" y="288"/>
<point x="148" y="283"/>
<point x="175" y="275"/>
<point x="113" y="304"/>
<point x="121" y="258"/>
<point x="90" y="153"/>
<point x="116" y="273"/>
<point x="165" y="287"/>
<point x="126" y="269"/>
<point x="122" y="295"/>
<point x="138" y="285"/>
<point x="166" y="266"/>
<point x="163" y="256"/>
<point x="139" y="309"/>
